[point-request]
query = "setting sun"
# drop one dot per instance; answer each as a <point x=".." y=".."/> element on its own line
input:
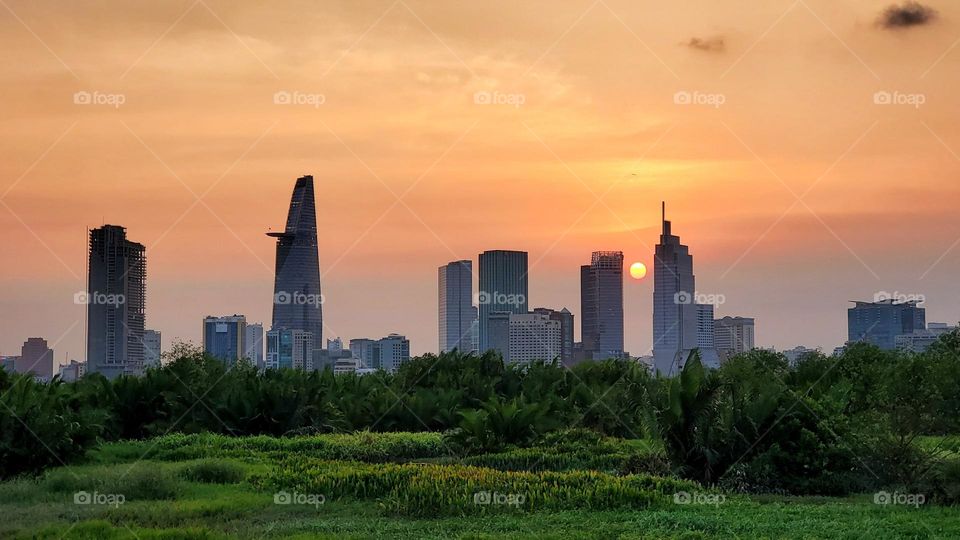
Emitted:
<point x="638" y="270"/>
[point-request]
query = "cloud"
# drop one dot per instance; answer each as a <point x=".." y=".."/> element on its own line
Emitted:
<point x="710" y="44"/>
<point x="905" y="15"/>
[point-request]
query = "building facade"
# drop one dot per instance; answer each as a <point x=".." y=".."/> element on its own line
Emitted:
<point x="116" y="301"/>
<point x="601" y="305"/>
<point x="152" y="347"/>
<point x="565" y="318"/>
<point x="881" y="322"/>
<point x="225" y="337"/>
<point x="35" y="358"/>
<point x="533" y="337"/>
<point x="291" y="349"/>
<point x="253" y="346"/>
<point x="394" y="352"/>
<point x="733" y="336"/>
<point x="503" y="288"/>
<point x="297" y="300"/>
<point x="367" y="351"/>
<point x="455" y="309"/>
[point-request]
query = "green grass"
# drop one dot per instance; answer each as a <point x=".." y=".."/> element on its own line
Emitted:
<point x="203" y="497"/>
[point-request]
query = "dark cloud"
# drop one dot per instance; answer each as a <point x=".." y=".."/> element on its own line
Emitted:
<point x="905" y="15"/>
<point x="711" y="44"/>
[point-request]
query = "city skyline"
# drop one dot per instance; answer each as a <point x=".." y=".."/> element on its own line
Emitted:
<point x="558" y="140"/>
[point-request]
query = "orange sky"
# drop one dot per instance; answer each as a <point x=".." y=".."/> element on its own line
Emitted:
<point x="796" y="194"/>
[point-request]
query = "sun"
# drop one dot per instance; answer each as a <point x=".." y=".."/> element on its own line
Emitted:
<point x="638" y="270"/>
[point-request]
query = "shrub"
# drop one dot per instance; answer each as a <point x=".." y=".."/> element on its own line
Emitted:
<point x="425" y="489"/>
<point x="211" y="471"/>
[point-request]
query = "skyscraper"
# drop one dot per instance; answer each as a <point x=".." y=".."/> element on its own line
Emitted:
<point x="297" y="301"/>
<point x="601" y="304"/>
<point x="115" y="299"/>
<point x="503" y="287"/>
<point x="881" y="322"/>
<point x="456" y="311"/>
<point x="679" y="323"/>
<point x="225" y="337"/>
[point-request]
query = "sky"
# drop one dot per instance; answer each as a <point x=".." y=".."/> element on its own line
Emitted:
<point x="808" y="152"/>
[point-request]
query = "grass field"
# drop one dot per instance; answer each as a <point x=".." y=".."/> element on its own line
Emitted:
<point x="411" y="486"/>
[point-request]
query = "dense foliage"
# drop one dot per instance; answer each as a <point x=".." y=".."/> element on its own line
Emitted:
<point x="827" y="425"/>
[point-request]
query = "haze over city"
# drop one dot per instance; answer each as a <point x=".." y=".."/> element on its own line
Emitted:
<point x="436" y="132"/>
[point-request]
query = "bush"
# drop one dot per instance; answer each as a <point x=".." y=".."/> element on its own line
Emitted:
<point x="42" y="425"/>
<point x="423" y="490"/>
<point x="211" y="471"/>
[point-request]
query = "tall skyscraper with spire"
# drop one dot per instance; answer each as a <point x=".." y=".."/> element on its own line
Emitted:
<point x="297" y="302"/>
<point x="676" y="327"/>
